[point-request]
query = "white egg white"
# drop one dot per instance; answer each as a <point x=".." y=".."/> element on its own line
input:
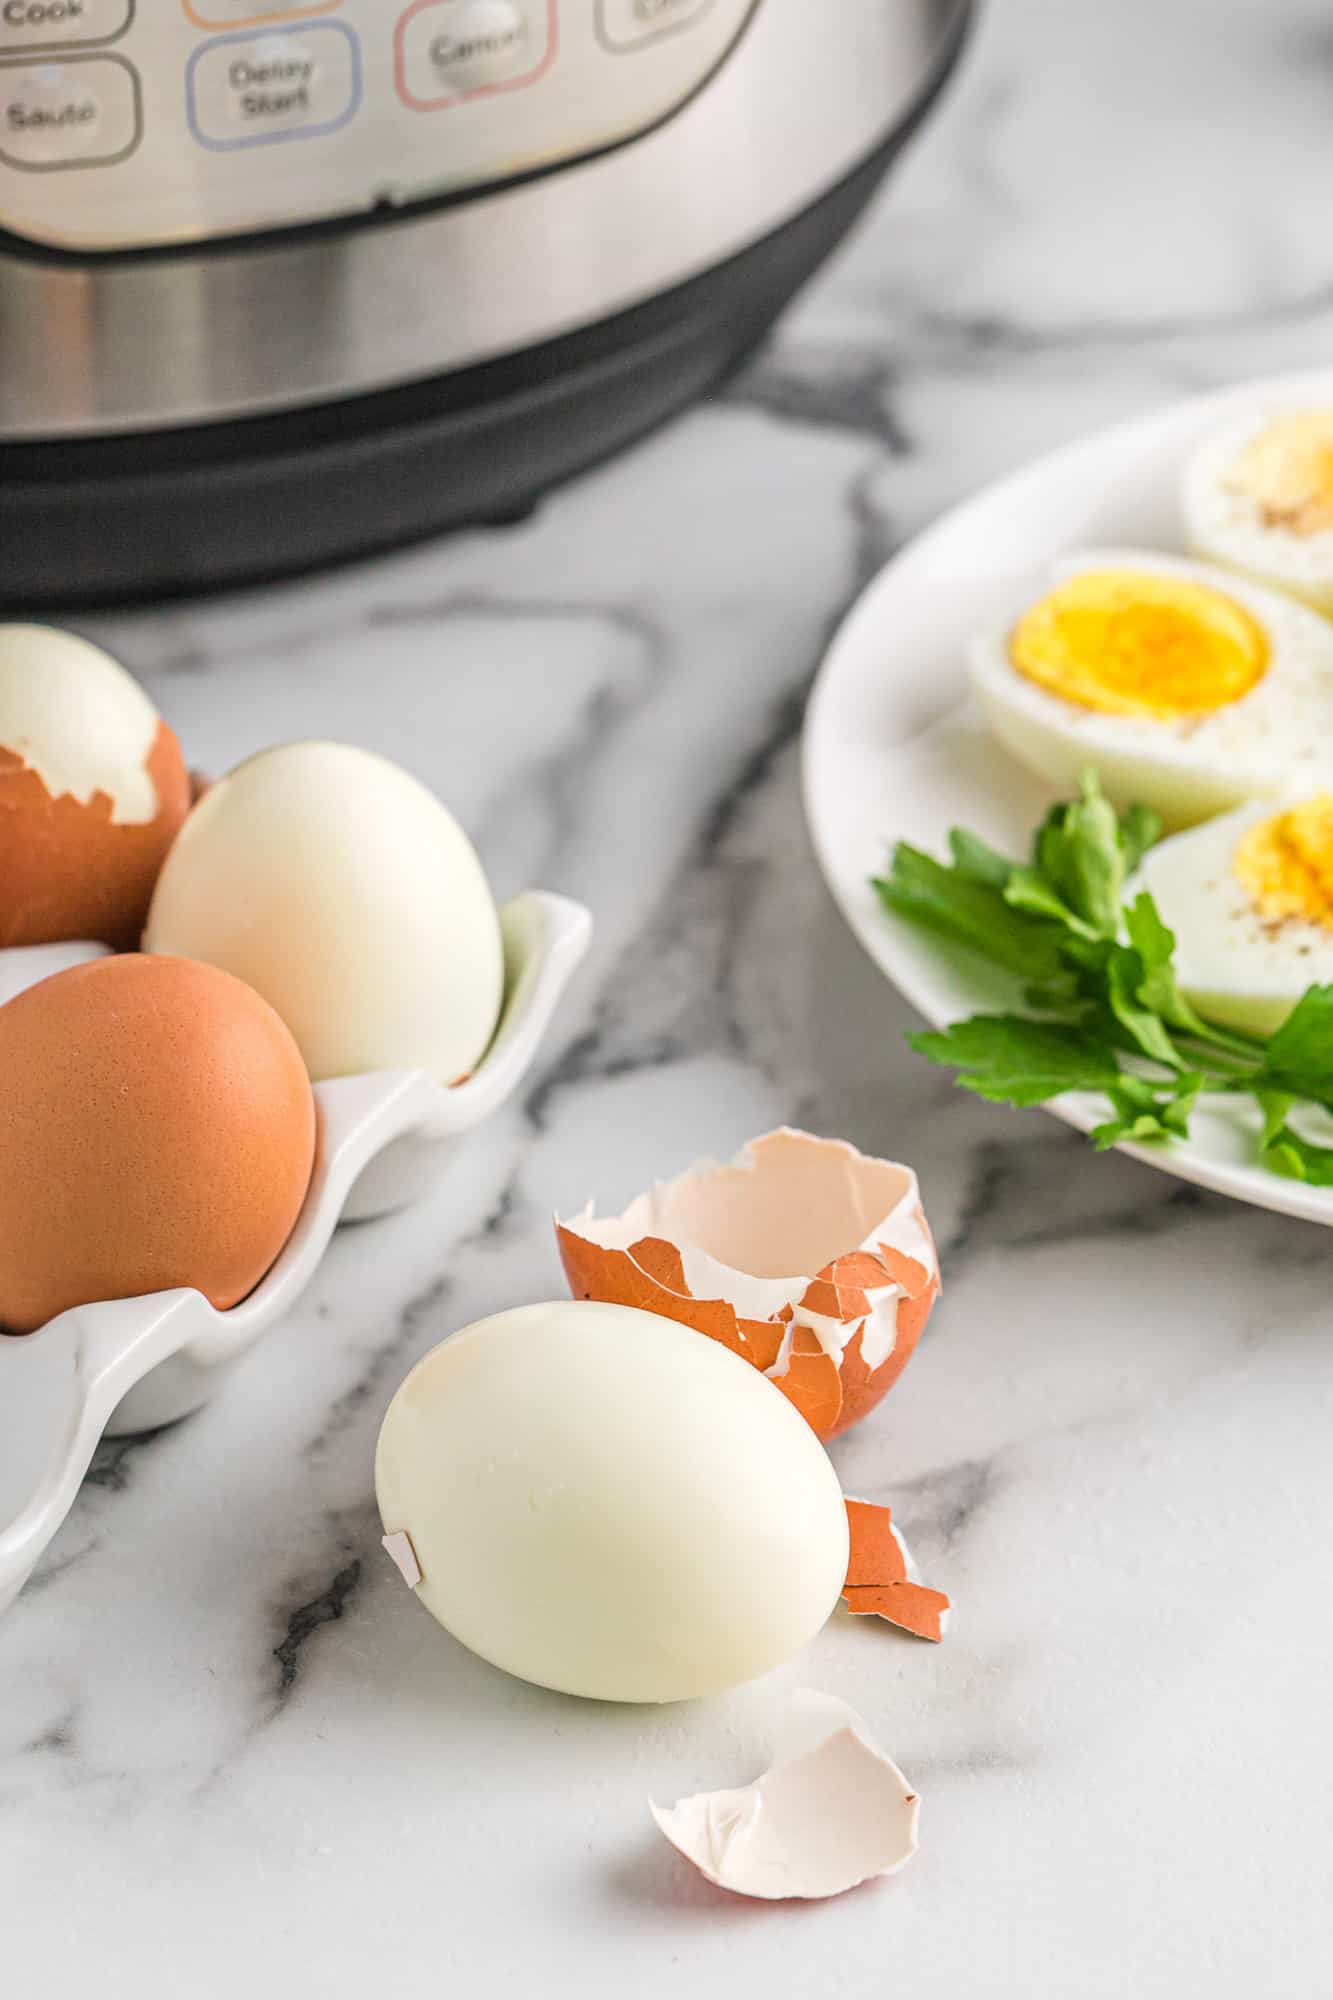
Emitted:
<point x="1237" y="966"/>
<point x="1277" y="737"/>
<point x="1228" y="527"/>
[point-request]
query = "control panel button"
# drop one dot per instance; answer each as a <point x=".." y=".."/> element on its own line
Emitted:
<point x="447" y="49"/>
<point x="251" y="13"/>
<point x="297" y="83"/>
<point x="81" y="113"/>
<point x="31" y="24"/>
<point x="629" y="24"/>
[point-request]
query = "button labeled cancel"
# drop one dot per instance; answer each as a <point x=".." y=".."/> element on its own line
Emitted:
<point x="81" y="113"/>
<point x="30" y="24"/>
<point x="247" y="90"/>
<point x="448" y="48"/>
<point x="482" y="41"/>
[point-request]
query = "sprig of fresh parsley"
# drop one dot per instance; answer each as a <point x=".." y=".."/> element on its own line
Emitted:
<point x="1098" y="975"/>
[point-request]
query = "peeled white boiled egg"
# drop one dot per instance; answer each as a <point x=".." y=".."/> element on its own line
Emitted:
<point x="1187" y="688"/>
<point x="604" y="1502"/>
<point x="345" y="893"/>
<point x="1250" y="899"/>
<point x="1258" y="496"/>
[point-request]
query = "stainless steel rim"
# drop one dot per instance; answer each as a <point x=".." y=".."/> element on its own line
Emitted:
<point x="132" y="344"/>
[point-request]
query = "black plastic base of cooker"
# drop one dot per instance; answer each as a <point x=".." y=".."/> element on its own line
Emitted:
<point x="110" y="519"/>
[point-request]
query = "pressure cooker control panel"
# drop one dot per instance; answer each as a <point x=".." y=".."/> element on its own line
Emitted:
<point x="126" y="124"/>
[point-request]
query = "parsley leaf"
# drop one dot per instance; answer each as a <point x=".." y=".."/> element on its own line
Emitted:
<point x="1298" y="1159"/>
<point x="973" y="858"/>
<point x="1031" y="890"/>
<point x="1299" y="1057"/>
<point x="1155" y="943"/>
<point x="973" y="912"/>
<point x="1012" y="1060"/>
<point x="1080" y="852"/>
<point x="1101" y="974"/>
<point x="1140" y="829"/>
<point x="1146" y="1029"/>
<point x="1145" y="1111"/>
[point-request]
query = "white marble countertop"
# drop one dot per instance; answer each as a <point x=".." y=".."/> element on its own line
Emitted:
<point x="234" y="1754"/>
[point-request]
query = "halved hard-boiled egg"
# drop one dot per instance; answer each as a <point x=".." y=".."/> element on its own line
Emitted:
<point x="1189" y="689"/>
<point x="1258" y="496"/>
<point x="1250" y="899"/>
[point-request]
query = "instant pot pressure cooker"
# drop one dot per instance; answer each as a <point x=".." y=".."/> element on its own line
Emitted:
<point x="281" y="283"/>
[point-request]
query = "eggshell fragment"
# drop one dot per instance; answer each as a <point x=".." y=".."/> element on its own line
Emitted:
<point x="402" y="1554"/>
<point x="807" y="1258"/>
<point x="93" y="789"/>
<point x="880" y="1579"/>
<point x="833" y="1812"/>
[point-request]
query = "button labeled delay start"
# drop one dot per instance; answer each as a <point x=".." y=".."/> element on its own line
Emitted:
<point x="247" y="90"/>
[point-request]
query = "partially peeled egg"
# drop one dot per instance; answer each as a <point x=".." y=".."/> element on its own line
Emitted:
<point x="93" y="789"/>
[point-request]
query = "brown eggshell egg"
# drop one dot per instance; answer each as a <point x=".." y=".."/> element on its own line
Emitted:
<point x="157" y="1129"/>
<point x="93" y="789"/>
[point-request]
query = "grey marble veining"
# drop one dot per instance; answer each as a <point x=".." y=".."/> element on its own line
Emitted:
<point x="232" y="1750"/>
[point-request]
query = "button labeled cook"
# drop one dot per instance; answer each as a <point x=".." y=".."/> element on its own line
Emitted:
<point x="245" y="90"/>
<point x="81" y="113"/>
<point x="28" y="24"/>
<point x="628" y="24"/>
<point x="447" y="48"/>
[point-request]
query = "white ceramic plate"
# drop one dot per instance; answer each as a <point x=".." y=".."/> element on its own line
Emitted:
<point x="893" y="750"/>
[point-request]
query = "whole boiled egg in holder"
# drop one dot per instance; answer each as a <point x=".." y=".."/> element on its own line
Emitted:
<point x="319" y="879"/>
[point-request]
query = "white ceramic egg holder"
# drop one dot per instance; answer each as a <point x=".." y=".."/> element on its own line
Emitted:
<point x="133" y="1364"/>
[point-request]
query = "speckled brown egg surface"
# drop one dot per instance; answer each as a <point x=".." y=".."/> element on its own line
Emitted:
<point x="157" y="1129"/>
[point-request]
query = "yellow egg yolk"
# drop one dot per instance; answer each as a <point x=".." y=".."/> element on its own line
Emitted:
<point x="1128" y="642"/>
<point x="1287" y="471"/>
<point x="1285" y="864"/>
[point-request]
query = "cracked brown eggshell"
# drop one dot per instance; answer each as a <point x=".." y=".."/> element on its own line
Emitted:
<point x="93" y="789"/>
<point x="809" y="1259"/>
